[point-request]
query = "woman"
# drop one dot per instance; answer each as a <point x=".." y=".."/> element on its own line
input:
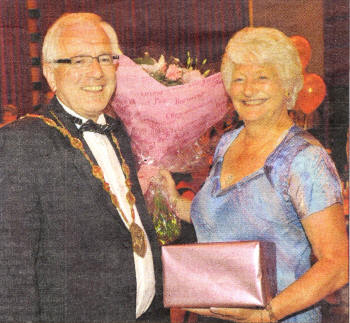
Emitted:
<point x="270" y="180"/>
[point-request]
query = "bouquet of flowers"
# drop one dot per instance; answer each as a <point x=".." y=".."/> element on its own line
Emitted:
<point x="166" y="107"/>
<point x="173" y="72"/>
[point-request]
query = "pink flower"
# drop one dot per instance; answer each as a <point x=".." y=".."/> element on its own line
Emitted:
<point x="173" y="72"/>
<point x="191" y="76"/>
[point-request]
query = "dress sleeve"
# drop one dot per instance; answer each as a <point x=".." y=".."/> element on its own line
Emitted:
<point x="314" y="183"/>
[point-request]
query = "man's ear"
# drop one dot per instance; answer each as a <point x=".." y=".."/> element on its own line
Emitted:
<point x="49" y="74"/>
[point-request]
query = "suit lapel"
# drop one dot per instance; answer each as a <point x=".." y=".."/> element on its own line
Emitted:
<point x="84" y="168"/>
<point x="103" y="199"/>
<point x="125" y="149"/>
<point x="80" y="162"/>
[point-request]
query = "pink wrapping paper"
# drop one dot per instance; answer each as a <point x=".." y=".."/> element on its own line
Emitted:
<point x="223" y="274"/>
<point x="161" y="120"/>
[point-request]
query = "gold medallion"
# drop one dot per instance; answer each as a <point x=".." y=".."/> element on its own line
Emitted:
<point x="138" y="239"/>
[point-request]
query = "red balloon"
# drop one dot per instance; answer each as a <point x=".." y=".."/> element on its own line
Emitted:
<point x="312" y="93"/>
<point x="304" y="48"/>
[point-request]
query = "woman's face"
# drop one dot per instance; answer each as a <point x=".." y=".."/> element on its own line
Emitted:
<point x="257" y="93"/>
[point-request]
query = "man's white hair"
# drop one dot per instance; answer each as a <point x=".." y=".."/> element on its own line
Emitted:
<point x="51" y="45"/>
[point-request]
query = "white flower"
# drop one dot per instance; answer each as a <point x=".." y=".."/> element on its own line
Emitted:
<point x="192" y="75"/>
<point x="156" y="67"/>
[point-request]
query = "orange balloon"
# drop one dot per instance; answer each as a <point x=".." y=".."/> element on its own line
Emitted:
<point x="304" y="48"/>
<point x="312" y="93"/>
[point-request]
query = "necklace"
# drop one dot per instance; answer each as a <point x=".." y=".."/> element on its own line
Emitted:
<point x="137" y="234"/>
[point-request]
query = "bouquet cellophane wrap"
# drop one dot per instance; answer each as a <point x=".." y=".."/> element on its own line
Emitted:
<point x="221" y="274"/>
<point x="162" y="120"/>
<point x="165" y="124"/>
<point x="166" y="223"/>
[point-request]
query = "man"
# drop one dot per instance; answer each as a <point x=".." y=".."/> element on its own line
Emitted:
<point x="76" y="243"/>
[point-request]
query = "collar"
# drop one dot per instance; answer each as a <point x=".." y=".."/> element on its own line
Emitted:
<point x="100" y="120"/>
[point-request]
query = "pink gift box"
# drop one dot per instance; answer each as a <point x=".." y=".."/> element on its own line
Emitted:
<point x="220" y="274"/>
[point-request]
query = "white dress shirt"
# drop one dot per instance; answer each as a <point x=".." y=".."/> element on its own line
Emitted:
<point x="107" y="159"/>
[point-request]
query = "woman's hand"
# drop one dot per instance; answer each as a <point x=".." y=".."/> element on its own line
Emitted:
<point x="168" y="184"/>
<point x="180" y="205"/>
<point x="146" y="174"/>
<point x="242" y="315"/>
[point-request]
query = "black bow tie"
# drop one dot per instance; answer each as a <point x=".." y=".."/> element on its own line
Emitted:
<point x="95" y="127"/>
<point x="92" y="126"/>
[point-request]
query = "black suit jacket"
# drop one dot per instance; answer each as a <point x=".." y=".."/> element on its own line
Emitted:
<point x="65" y="254"/>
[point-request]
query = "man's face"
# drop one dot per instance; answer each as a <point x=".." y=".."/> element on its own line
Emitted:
<point x="85" y="90"/>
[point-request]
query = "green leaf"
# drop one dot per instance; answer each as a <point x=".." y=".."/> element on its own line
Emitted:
<point x="205" y="74"/>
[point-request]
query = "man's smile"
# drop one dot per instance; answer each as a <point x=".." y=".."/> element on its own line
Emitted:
<point x="96" y="88"/>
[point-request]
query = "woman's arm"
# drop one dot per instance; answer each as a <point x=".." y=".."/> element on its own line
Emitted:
<point x="182" y="206"/>
<point x="326" y="231"/>
<point x="313" y="185"/>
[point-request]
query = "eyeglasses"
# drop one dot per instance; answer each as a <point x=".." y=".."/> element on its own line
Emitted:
<point x="85" y="61"/>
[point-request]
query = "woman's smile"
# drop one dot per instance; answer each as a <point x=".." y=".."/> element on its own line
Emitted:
<point x="257" y="92"/>
<point x="253" y="102"/>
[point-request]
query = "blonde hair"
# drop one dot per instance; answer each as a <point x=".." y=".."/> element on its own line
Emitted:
<point x="52" y="38"/>
<point x="262" y="45"/>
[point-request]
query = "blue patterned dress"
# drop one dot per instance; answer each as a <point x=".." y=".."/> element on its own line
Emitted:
<point x="298" y="179"/>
